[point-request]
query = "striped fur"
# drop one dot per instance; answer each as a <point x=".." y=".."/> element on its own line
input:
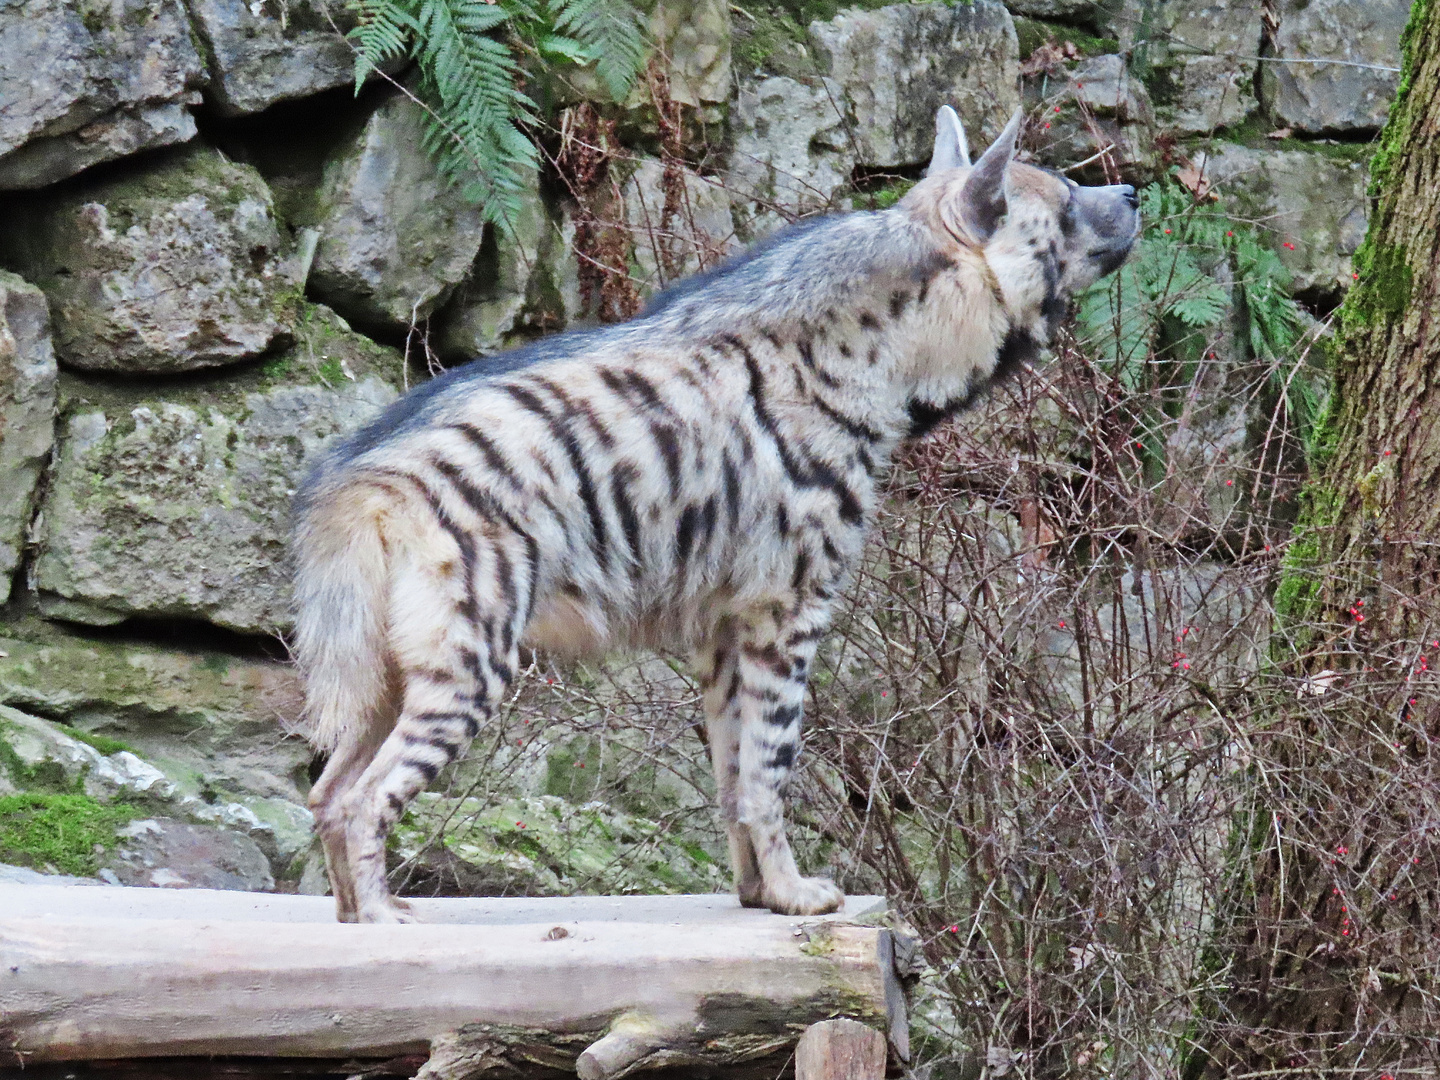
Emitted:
<point x="702" y="476"/>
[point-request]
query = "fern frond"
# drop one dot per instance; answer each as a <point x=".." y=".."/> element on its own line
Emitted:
<point x="611" y="33"/>
<point x="470" y="77"/>
<point x="381" y="34"/>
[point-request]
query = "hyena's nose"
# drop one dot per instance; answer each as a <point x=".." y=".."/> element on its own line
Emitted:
<point x="1128" y="194"/>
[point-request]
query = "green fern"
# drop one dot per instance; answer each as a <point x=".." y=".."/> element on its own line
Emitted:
<point x="470" y="74"/>
<point x="1172" y="276"/>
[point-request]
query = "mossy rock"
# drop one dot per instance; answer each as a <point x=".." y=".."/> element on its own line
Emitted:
<point x="169" y="265"/>
<point x="214" y="723"/>
<point x="547" y="846"/>
<point x="176" y="502"/>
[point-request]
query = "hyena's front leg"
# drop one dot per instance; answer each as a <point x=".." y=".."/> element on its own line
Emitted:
<point x="773" y="660"/>
<point x="719" y="675"/>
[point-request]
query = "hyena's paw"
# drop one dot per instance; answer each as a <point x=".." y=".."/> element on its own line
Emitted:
<point x="752" y="893"/>
<point x="389" y="910"/>
<point x="804" y="896"/>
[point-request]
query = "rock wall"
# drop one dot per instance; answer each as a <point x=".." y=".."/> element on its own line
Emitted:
<point x="215" y="258"/>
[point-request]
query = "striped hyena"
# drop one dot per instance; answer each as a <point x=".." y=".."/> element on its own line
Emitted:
<point x="702" y="475"/>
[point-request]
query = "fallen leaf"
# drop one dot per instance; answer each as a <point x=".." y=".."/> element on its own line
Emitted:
<point x="1193" y="177"/>
<point x="1322" y="682"/>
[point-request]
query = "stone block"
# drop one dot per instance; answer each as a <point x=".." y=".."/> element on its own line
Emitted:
<point x="27" y="412"/>
<point x="395" y="237"/>
<point x="266" y="51"/>
<point x="694" y="44"/>
<point x="176" y="502"/>
<point x="677" y="234"/>
<point x="84" y="82"/>
<point x="1053" y="9"/>
<point x="167" y="268"/>
<point x="1099" y="107"/>
<point x="164" y="853"/>
<point x="1199" y="60"/>
<point x="895" y="66"/>
<point x="1311" y="203"/>
<point x="209" y="720"/>
<point x="791" y="151"/>
<point x="511" y="290"/>
<point x="1352" y="95"/>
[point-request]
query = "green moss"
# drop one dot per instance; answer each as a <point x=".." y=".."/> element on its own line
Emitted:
<point x="41" y="776"/>
<point x="774" y="34"/>
<point x="1036" y="32"/>
<point x="330" y="372"/>
<point x="102" y="743"/>
<point x="1382" y="287"/>
<point x="1396" y="133"/>
<point x="60" y="831"/>
<point x="887" y="196"/>
<point x="1297" y="597"/>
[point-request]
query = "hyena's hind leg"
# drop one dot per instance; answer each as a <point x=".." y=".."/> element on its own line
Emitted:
<point x="342" y="771"/>
<point x="716" y="667"/>
<point x="456" y="655"/>
<point x="773" y="659"/>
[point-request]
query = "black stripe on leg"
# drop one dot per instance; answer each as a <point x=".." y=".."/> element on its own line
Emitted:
<point x="783" y="715"/>
<point x="425" y="768"/>
<point x="783" y="757"/>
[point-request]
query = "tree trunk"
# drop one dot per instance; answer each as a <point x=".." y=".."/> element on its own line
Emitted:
<point x="1333" y="947"/>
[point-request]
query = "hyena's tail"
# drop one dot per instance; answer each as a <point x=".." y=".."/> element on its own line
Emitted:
<point x="341" y="609"/>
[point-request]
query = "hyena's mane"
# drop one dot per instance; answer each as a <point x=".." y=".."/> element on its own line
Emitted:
<point x="802" y="275"/>
<point x="798" y="276"/>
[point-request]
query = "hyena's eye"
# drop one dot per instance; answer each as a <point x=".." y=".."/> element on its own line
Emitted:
<point x="1067" y="214"/>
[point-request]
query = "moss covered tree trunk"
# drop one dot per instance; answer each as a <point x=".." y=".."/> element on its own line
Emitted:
<point x="1332" y="961"/>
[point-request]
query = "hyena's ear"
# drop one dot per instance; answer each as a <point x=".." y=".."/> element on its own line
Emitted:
<point x="982" y="200"/>
<point x="951" y="149"/>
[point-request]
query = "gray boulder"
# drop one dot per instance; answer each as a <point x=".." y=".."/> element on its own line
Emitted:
<point x="27" y="412"/>
<point x="791" y="151"/>
<point x="510" y="290"/>
<point x="38" y="754"/>
<point x="164" y="853"/>
<point x="897" y="65"/>
<point x="694" y="41"/>
<point x="177" y="502"/>
<point x="1350" y="96"/>
<point x="679" y="235"/>
<point x="395" y="237"/>
<point x="174" y="267"/>
<point x="1199" y="60"/>
<point x="272" y="50"/>
<point x="83" y="83"/>
<point x="209" y="721"/>
<point x="1312" y="202"/>
<point x="1052" y="9"/>
<point x="1100" y="108"/>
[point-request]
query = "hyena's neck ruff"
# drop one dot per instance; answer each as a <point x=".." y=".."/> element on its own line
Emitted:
<point x="701" y="478"/>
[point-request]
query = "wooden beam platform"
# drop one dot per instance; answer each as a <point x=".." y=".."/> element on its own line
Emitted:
<point x="600" y="986"/>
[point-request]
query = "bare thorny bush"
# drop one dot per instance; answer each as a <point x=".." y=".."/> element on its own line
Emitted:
<point x="1058" y="724"/>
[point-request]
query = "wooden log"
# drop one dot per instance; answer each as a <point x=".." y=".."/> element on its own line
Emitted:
<point x="840" y="1049"/>
<point x="89" y="973"/>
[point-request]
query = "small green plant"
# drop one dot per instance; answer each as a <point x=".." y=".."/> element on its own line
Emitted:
<point x="470" y="55"/>
<point x="60" y="831"/>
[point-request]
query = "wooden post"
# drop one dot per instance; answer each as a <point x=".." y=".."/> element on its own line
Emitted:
<point x="840" y="1050"/>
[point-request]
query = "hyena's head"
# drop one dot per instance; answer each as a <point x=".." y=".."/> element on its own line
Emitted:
<point x="1043" y="236"/>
